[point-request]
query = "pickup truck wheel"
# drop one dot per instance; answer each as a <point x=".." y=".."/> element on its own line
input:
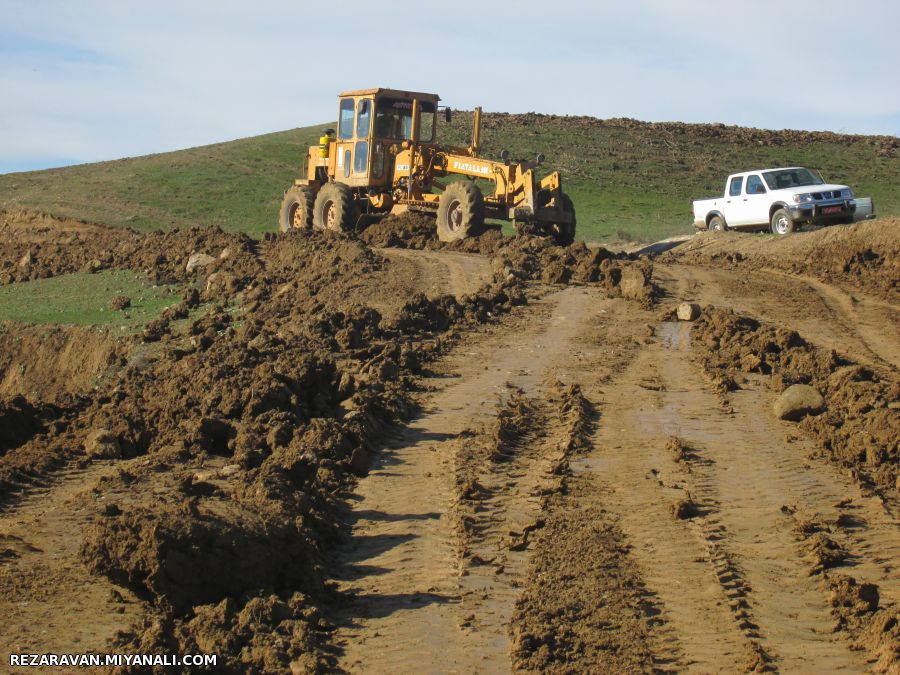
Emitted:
<point x="717" y="224"/>
<point x="781" y="222"/>
<point x="460" y="212"/>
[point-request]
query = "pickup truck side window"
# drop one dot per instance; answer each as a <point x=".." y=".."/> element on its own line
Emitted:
<point x="755" y="185"/>
<point x="736" y="184"/>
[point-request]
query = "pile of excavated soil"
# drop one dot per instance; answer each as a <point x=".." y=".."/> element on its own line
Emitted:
<point x="236" y="430"/>
<point x="865" y="254"/>
<point x="527" y="257"/>
<point x="20" y="420"/>
<point x="860" y="427"/>
<point x="235" y="427"/>
<point x="55" y="246"/>
<point x="887" y="146"/>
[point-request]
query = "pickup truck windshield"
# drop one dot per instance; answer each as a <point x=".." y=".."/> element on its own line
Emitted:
<point x="790" y="178"/>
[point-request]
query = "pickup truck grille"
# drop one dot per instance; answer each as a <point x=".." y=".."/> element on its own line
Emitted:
<point x="827" y="194"/>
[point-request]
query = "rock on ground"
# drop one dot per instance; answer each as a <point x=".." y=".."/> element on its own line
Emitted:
<point x="688" y="311"/>
<point x="798" y="401"/>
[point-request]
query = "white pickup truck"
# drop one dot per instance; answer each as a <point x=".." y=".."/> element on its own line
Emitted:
<point x="776" y="199"/>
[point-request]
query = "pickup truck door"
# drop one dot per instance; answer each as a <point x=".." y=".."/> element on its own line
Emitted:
<point x="734" y="200"/>
<point x="753" y="208"/>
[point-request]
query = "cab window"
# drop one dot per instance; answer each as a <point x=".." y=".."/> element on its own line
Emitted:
<point x="393" y="119"/>
<point x="736" y="184"/>
<point x="361" y="157"/>
<point x="363" y="117"/>
<point x="345" y="123"/>
<point x="755" y="185"/>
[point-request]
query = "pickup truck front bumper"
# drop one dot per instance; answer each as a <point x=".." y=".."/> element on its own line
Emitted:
<point x="823" y="212"/>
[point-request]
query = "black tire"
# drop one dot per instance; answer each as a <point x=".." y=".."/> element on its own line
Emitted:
<point x="335" y="208"/>
<point x="460" y="212"/>
<point x="296" y="209"/>
<point x="717" y="224"/>
<point x="564" y="233"/>
<point x="781" y="222"/>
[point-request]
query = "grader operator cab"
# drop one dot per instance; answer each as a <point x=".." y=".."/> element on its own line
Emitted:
<point x="384" y="158"/>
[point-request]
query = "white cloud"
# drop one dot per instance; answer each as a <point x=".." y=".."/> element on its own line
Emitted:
<point x="94" y="79"/>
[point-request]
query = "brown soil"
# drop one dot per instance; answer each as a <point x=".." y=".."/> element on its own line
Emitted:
<point x="864" y="255"/>
<point x="420" y="458"/>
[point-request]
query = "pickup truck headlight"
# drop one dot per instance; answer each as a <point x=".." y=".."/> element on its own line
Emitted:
<point x="803" y="199"/>
<point x="847" y="194"/>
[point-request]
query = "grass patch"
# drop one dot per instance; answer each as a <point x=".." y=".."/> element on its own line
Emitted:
<point x="84" y="299"/>
<point x="623" y="176"/>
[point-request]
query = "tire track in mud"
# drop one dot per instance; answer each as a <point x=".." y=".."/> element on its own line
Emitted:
<point x="411" y="609"/>
<point x="44" y="587"/>
<point x="849" y="323"/>
<point x="445" y="271"/>
<point x="731" y="579"/>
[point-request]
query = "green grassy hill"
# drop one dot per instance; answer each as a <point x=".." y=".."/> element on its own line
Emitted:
<point x="627" y="178"/>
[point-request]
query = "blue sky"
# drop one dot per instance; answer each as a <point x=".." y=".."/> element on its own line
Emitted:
<point x="91" y="80"/>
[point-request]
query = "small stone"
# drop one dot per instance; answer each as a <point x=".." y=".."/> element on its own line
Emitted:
<point x="230" y="470"/>
<point x="685" y="509"/>
<point x="198" y="260"/>
<point x="225" y="253"/>
<point x="360" y="461"/>
<point x="103" y="444"/>
<point x="798" y="401"/>
<point x="687" y="311"/>
<point x="26" y="260"/>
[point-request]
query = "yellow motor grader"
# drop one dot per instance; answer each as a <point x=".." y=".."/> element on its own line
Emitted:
<point x="384" y="158"/>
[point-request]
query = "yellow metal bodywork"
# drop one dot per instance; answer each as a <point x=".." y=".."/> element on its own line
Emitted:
<point x="412" y="167"/>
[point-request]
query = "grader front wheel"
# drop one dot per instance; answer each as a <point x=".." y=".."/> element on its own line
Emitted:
<point x="460" y="212"/>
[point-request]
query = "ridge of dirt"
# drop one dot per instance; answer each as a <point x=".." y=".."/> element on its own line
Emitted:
<point x="742" y="136"/>
<point x="860" y="428"/>
<point x="602" y="597"/>
<point x="526" y="257"/>
<point x="20" y="420"/>
<point x="56" y="248"/>
<point x="865" y="254"/>
<point x="234" y="436"/>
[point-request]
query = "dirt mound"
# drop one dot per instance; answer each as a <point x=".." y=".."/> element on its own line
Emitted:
<point x="865" y="254"/>
<point x="51" y="247"/>
<point x="183" y="556"/>
<point x="244" y="422"/>
<point x="860" y="428"/>
<point x="20" y="420"/>
<point x="418" y="231"/>
<point x="527" y="257"/>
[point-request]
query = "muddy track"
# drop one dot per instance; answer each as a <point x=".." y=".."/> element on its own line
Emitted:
<point x="846" y="321"/>
<point x="44" y="588"/>
<point x="701" y="503"/>
<point x="479" y="484"/>
<point x="402" y="564"/>
<point x="443" y="272"/>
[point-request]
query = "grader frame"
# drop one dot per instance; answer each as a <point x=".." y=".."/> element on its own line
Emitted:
<point x="384" y="158"/>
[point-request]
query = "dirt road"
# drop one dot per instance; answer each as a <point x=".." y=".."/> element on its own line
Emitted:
<point x="469" y="482"/>
<point x="728" y="587"/>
